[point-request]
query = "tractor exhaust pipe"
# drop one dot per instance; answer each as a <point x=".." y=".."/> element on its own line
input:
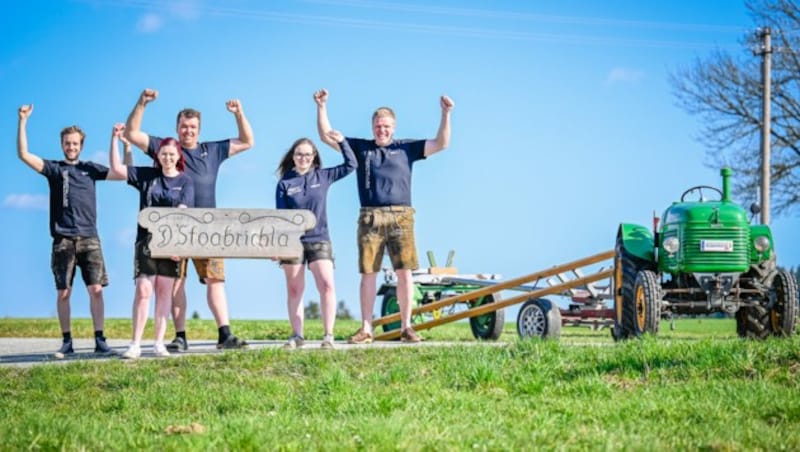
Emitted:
<point x="726" y="173"/>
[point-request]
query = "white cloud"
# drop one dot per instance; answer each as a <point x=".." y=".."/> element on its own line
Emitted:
<point x="624" y="75"/>
<point x="27" y="201"/>
<point x="149" y="23"/>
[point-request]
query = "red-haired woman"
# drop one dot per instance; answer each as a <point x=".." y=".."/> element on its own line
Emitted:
<point x="163" y="185"/>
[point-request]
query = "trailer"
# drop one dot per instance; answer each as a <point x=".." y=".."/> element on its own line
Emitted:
<point x="442" y="295"/>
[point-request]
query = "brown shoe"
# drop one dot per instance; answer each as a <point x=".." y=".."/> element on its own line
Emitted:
<point x="409" y="335"/>
<point x="361" y="337"/>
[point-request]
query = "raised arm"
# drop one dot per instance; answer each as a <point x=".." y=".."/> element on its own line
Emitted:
<point x="127" y="153"/>
<point x="442" y="139"/>
<point x="116" y="169"/>
<point x="245" y="140"/>
<point x="323" y="123"/>
<point x="34" y="161"/>
<point x="133" y="127"/>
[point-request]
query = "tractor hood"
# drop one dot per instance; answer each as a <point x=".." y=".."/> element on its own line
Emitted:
<point x="710" y="213"/>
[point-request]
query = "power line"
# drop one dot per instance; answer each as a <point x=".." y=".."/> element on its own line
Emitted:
<point x="473" y="32"/>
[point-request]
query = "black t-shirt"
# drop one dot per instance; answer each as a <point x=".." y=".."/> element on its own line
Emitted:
<point x="158" y="190"/>
<point x="73" y="200"/>
<point x="384" y="173"/>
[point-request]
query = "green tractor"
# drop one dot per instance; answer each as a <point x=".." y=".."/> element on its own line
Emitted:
<point x="704" y="258"/>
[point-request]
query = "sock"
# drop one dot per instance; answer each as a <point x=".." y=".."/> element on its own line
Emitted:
<point x="181" y="334"/>
<point x="98" y="334"/>
<point x="67" y="336"/>
<point x="224" y="332"/>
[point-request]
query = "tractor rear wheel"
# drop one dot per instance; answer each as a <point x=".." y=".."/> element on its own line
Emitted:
<point x="488" y="326"/>
<point x="781" y="320"/>
<point x="539" y="318"/>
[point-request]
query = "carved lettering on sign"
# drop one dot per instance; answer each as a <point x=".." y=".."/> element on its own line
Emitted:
<point x="256" y="233"/>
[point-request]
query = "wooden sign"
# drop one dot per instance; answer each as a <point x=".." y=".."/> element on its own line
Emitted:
<point x="255" y="233"/>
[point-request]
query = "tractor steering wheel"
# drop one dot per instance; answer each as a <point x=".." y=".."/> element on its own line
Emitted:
<point x="699" y="189"/>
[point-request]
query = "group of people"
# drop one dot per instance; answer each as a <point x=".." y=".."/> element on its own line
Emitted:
<point x="184" y="174"/>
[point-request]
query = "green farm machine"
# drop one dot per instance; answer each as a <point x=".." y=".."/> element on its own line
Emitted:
<point x="703" y="258"/>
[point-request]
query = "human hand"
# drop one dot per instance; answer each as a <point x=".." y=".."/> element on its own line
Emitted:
<point x="25" y="111"/>
<point x="234" y="106"/>
<point x="118" y="129"/>
<point x="147" y="96"/>
<point x="175" y="258"/>
<point x="321" y="96"/>
<point x="335" y="135"/>
<point x="447" y="104"/>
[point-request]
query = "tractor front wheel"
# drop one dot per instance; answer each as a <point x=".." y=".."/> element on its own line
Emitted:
<point x="646" y="306"/>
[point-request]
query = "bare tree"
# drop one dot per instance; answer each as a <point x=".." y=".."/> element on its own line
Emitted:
<point x="725" y="91"/>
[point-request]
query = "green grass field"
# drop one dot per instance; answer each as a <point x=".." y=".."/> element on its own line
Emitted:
<point x="698" y="387"/>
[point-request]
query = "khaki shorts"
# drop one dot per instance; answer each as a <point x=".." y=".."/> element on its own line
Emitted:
<point x="312" y="252"/>
<point x="209" y="268"/>
<point x="143" y="264"/>
<point x="386" y="227"/>
<point x="71" y="252"/>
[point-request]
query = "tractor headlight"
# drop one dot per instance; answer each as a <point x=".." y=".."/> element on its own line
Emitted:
<point x="671" y="244"/>
<point x="761" y="243"/>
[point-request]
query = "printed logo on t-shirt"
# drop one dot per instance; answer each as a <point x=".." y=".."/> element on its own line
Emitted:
<point x="292" y="190"/>
<point x="315" y="185"/>
<point x="177" y="188"/>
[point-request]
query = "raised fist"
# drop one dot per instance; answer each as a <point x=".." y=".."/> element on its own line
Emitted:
<point x="321" y="96"/>
<point x="25" y="111"/>
<point x="147" y="96"/>
<point x="234" y="106"/>
<point x="447" y="103"/>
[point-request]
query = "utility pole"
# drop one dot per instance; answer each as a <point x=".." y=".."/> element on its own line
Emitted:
<point x="766" y="68"/>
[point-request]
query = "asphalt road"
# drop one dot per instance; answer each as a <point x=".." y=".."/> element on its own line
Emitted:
<point x="25" y="352"/>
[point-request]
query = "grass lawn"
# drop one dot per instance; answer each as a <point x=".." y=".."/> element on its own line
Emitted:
<point x="698" y="387"/>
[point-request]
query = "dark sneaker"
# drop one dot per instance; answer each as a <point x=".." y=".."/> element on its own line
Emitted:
<point x="232" y="342"/>
<point x="101" y="347"/>
<point x="177" y="345"/>
<point x="409" y="335"/>
<point x="66" y="349"/>
<point x="295" y="341"/>
<point x="361" y="337"/>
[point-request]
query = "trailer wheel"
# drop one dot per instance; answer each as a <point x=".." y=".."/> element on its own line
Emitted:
<point x="539" y="318"/>
<point x="488" y="326"/>
<point x="390" y="305"/>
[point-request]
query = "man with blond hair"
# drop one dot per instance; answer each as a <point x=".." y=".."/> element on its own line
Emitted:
<point x="386" y="219"/>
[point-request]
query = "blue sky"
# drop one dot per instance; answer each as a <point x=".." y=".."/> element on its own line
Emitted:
<point x="564" y="126"/>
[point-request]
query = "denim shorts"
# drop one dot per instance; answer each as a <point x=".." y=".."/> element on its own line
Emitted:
<point x="312" y="251"/>
<point x="83" y="252"/>
<point x="390" y="228"/>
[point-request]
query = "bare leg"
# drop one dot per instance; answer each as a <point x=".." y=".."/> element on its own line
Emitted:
<point x="217" y="302"/>
<point x="404" y="297"/>
<point x="367" y="292"/>
<point x="62" y="306"/>
<point x="179" y="305"/>
<point x="96" y="305"/>
<point x="164" y="287"/>
<point x="323" y="276"/>
<point x="295" y="286"/>
<point x="141" y="306"/>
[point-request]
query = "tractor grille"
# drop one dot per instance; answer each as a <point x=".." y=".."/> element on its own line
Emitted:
<point x="695" y="260"/>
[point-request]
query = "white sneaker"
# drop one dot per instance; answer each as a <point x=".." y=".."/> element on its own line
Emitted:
<point x="327" y="342"/>
<point x="295" y="341"/>
<point x="133" y="352"/>
<point x="160" y="349"/>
